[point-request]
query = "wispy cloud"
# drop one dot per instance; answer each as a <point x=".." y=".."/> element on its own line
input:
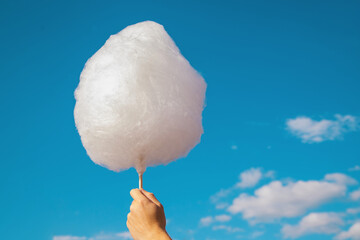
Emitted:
<point x="206" y="221"/>
<point x="353" y="210"/>
<point x="283" y="200"/>
<point x="102" y="236"/>
<point x="352" y="233"/>
<point x="355" y="195"/>
<point x="124" y="235"/>
<point x="320" y="223"/>
<point x="355" y="168"/>
<point x="340" y="178"/>
<point x="229" y="229"/>
<point x="68" y="237"/>
<point x="316" y="131"/>
<point x="223" y="218"/>
<point x="279" y="200"/>
<point x="256" y="234"/>
<point x="247" y="179"/>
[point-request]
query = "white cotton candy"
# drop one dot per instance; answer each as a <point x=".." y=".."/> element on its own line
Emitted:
<point x="139" y="102"/>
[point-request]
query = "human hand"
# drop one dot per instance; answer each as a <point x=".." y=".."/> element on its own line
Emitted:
<point x="146" y="220"/>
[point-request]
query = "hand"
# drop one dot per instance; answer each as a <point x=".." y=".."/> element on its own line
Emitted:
<point x="146" y="220"/>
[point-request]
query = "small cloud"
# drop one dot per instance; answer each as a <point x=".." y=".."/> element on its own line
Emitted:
<point x="221" y="205"/>
<point x="353" y="210"/>
<point x="220" y="194"/>
<point x="223" y="218"/>
<point x="217" y="198"/>
<point x="355" y="195"/>
<point x="256" y="234"/>
<point x="101" y="236"/>
<point x="270" y="174"/>
<point x="316" y="131"/>
<point x="206" y="221"/>
<point x="355" y="168"/>
<point x="319" y="223"/>
<point x="249" y="178"/>
<point x="68" y="237"/>
<point x="352" y="233"/>
<point x="124" y="235"/>
<point x="340" y="178"/>
<point x="227" y="228"/>
<point x="234" y="147"/>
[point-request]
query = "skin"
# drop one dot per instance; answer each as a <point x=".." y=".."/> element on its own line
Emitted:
<point x="146" y="220"/>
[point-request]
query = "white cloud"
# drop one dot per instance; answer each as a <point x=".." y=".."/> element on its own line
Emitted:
<point x="270" y="174"/>
<point x="221" y="205"/>
<point x="249" y="178"/>
<point x="313" y="131"/>
<point x="355" y="195"/>
<point x="256" y="234"/>
<point x="206" y="221"/>
<point x="340" y="178"/>
<point x="352" y="233"/>
<point x="124" y="235"/>
<point x="320" y="223"/>
<point x="223" y="218"/>
<point x="355" y="168"/>
<point x="277" y="200"/>
<point x="101" y="236"/>
<point x="353" y="210"/>
<point x="221" y="194"/>
<point x="227" y="228"/>
<point x="68" y="237"/>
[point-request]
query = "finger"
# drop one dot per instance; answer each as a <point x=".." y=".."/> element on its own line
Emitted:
<point x="132" y="206"/>
<point x="152" y="197"/>
<point x="137" y="195"/>
<point x="128" y="224"/>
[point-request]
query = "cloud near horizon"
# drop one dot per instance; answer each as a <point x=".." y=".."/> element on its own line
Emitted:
<point x="68" y="237"/>
<point x="111" y="236"/>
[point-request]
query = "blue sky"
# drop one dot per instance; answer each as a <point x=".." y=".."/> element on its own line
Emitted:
<point x="282" y="109"/>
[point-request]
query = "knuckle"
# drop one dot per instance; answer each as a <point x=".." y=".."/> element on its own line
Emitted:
<point x="132" y="208"/>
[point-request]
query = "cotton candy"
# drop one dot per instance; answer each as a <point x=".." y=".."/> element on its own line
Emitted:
<point x="139" y="102"/>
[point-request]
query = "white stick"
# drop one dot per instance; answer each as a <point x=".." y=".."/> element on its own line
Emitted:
<point x="140" y="181"/>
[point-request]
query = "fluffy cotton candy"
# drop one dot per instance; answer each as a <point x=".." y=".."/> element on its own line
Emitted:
<point x="139" y="102"/>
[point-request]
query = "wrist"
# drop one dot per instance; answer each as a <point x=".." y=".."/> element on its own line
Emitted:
<point x="160" y="234"/>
